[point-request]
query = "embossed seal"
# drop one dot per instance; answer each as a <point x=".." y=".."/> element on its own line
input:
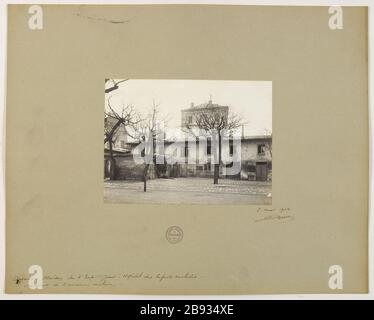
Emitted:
<point x="174" y="234"/>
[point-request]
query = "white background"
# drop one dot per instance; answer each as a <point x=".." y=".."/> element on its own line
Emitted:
<point x="3" y="37"/>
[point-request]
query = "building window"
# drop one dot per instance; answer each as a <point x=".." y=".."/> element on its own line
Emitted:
<point x="186" y="149"/>
<point x="189" y="119"/>
<point x="209" y="146"/>
<point x="231" y="145"/>
<point x="122" y="144"/>
<point x="261" y="149"/>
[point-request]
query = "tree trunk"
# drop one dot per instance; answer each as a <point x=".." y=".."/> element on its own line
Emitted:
<point x="216" y="173"/>
<point x="145" y="173"/>
<point x="216" y="166"/>
<point x="112" y="162"/>
<point x="110" y="135"/>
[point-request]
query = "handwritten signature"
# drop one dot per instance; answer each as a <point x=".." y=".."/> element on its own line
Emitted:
<point x="274" y="214"/>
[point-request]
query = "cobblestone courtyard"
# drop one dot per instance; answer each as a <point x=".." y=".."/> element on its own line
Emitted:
<point x="188" y="190"/>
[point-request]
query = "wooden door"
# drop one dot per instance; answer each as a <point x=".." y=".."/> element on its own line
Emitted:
<point x="261" y="171"/>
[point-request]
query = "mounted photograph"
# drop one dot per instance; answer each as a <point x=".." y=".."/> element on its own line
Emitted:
<point x="187" y="195"/>
<point x="188" y="141"/>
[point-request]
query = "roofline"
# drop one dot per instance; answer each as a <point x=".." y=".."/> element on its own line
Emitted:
<point x="236" y="138"/>
<point x="256" y="137"/>
<point x="203" y="108"/>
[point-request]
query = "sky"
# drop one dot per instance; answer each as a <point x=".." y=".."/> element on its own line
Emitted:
<point x="251" y="100"/>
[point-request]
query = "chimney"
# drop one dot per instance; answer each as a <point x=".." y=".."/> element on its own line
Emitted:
<point x="242" y="131"/>
<point x="192" y="104"/>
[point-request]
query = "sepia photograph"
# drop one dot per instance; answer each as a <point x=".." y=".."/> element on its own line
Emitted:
<point x="186" y="196"/>
<point x="188" y="141"/>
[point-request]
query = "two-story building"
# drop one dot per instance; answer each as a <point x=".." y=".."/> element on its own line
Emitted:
<point x="255" y="151"/>
<point x="194" y="155"/>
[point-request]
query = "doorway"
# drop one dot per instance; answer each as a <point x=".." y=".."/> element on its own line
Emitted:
<point x="261" y="171"/>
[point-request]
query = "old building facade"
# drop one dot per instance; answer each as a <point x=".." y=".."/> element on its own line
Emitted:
<point x="193" y="155"/>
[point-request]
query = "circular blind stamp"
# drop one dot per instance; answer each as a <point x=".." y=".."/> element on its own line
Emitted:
<point x="174" y="234"/>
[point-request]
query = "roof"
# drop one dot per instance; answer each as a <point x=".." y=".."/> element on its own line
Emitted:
<point x="246" y="138"/>
<point x="261" y="137"/>
<point x="207" y="105"/>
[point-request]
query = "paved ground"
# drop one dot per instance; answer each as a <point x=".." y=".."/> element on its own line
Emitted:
<point x="188" y="190"/>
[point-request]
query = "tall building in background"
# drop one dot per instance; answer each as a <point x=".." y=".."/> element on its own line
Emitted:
<point x="209" y="108"/>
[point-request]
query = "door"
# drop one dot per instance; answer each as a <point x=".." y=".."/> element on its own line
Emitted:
<point x="261" y="171"/>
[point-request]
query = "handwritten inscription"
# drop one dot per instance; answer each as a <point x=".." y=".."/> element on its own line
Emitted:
<point x="103" y="280"/>
<point x="277" y="215"/>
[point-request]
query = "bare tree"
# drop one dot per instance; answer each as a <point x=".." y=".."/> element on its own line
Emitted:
<point x="113" y="84"/>
<point x="214" y="122"/>
<point x="127" y="118"/>
<point x="147" y="131"/>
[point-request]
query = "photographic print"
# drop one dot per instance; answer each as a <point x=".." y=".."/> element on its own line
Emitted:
<point x="188" y="141"/>
<point x="187" y="194"/>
